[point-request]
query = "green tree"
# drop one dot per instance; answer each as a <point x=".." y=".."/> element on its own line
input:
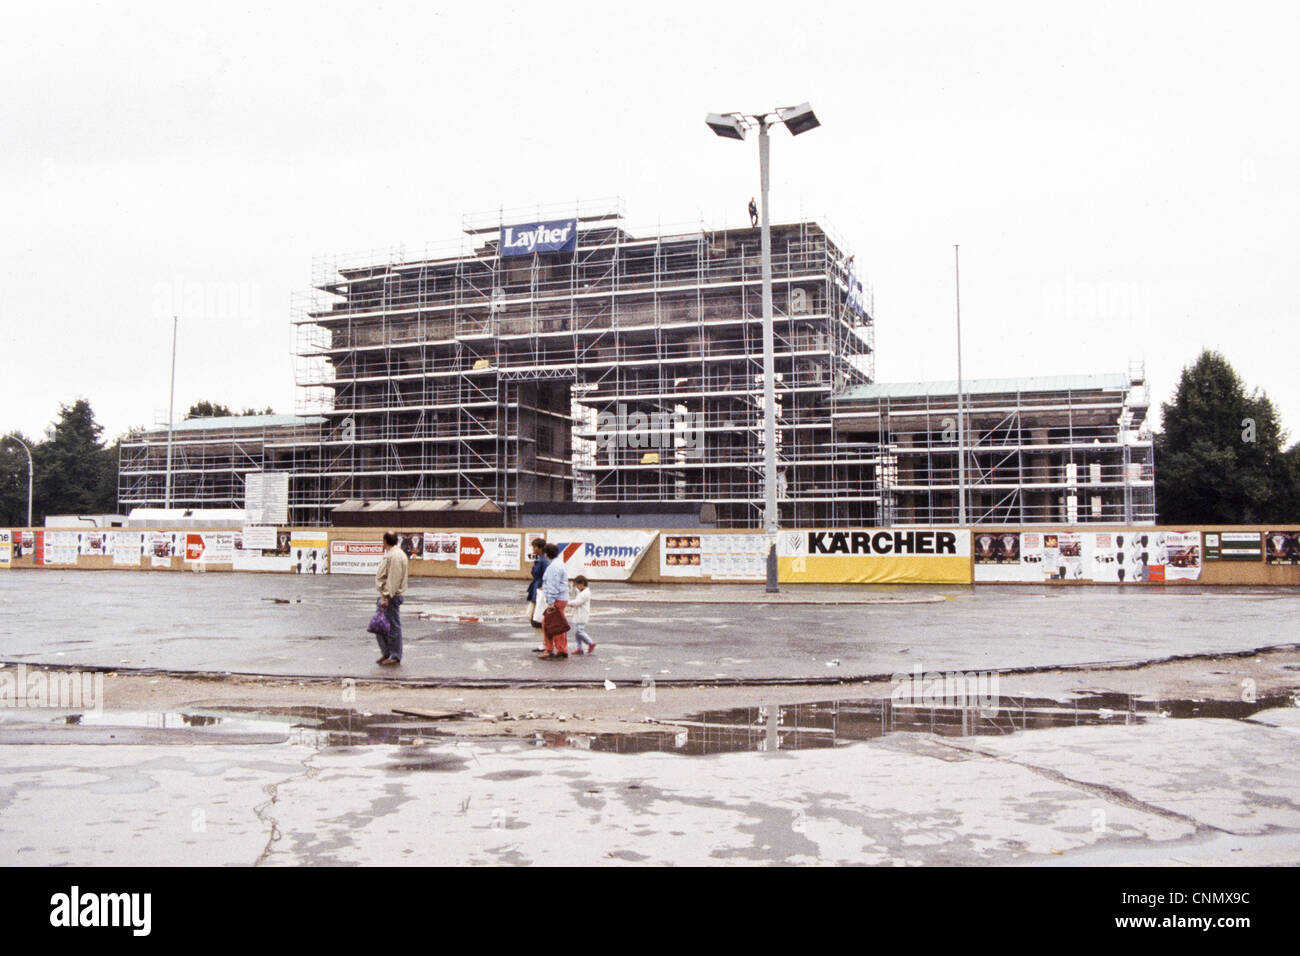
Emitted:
<point x="1219" y="457"/>
<point x="1291" y="469"/>
<point x="206" y="409"/>
<point x="253" y="411"/>
<point x="13" y="479"/>
<point x="73" y="466"/>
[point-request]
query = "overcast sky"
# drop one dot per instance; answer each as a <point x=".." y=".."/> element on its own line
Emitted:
<point x="1124" y="179"/>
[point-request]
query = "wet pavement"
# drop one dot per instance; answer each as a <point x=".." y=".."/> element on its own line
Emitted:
<point x="471" y="631"/>
<point x="1082" y="780"/>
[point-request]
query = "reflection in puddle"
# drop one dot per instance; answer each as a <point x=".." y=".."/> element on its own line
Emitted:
<point x="828" y="723"/>
<point x="819" y="724"/>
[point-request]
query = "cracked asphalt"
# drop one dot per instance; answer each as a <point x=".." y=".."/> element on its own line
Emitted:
<point x="473" y="631"/>
<point x="1189" y="792"/>
<point x="126" y="789"/>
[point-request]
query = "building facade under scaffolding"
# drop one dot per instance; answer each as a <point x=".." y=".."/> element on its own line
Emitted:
<point x="1074" y="449"/>
<point x="568" y="359"/>
<point x="211" y="459"/>
<point x="560" y="356"/>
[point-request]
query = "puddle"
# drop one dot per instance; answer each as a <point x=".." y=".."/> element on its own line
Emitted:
<point x="511" y="615"/>
<point x="830" y="723"/>
<point x="805" y="726"/>
<point x="317" y="727"/>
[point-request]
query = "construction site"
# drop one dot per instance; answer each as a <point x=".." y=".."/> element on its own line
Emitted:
<point x="600" y="364"/>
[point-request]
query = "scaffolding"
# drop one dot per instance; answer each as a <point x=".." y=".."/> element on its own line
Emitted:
<point x="1069" y="449"/>
<point x="630" y="370"/>
<point x="462" y="373"/>
<point x="211" y="457"/>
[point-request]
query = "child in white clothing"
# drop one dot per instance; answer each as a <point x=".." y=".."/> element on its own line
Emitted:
<point x="578" y="611"/>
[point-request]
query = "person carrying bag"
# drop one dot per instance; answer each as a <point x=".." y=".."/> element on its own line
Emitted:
<point x="390" y="582"/>
<point x="555" y="592"/>
<point x="540" y="562"/>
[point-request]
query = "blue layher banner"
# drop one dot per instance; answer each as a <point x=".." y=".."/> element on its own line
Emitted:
<point x="558" y="236"/>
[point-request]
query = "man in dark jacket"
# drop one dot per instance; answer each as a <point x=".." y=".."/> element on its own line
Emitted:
<point x="535" y="603"/>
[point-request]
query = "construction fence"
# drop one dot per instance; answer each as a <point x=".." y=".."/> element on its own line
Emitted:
<point x="1146" y="556"/>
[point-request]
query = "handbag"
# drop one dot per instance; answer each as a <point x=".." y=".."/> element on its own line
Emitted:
<point x="379" y="625"/>
<point x="553" y="622"/>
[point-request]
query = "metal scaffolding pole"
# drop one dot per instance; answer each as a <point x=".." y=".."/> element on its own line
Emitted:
<point x="171" y="417"/>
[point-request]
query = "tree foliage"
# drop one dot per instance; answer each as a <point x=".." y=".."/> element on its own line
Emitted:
<point x="75" y="473"/>
<point x="207" y="409"/>
<point x="1219" y="455"/>
<point x="13" y="479"/>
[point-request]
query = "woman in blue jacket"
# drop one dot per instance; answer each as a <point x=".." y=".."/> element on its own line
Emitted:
<point x="535" y="602"/>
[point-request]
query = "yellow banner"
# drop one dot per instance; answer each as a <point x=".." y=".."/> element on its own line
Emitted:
<point x="874" y="569"/>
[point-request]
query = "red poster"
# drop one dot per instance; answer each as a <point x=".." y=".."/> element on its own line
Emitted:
<point x="471" y="549"/>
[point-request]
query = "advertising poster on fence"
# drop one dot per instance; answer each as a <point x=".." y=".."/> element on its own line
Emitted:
<point x="92" y="542"/>
<point x="734" y="557"/>
<point x="680" y="555"/>
<point x="61" y="547"/>
<point x="875" y="556"/>
<point x="601" y="554"/>
<point x="309" y="553"/>
<point x="1119" y="557"/>
<point x="1069" y="549"/>
<point x="275" y="558"/>
<point x="6" y="548"/>
<point x="412" y="542"/>
<point x="998" y="557"/>
<point x="125" y="547"/>
<point x="259" y="537"/>
<point x="1282" y="547"/>
<point x="1177" y="556"/>
<point x="489" y="552"/>
<point x="160" y="549"/>
<point x="443" y="546"/>
<point x="355" y="557"/>
<point x="210" y="547"/>
<point x="1233" y="546"/>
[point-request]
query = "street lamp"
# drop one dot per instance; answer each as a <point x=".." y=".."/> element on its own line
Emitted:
<point x="961" y="412"/>
<point x="797" y="119"/>
<point x="30" y="471"/>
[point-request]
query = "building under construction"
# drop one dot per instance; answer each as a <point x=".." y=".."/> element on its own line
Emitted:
<point x="1072" y="449"/>
<point x="211" y="458"/>
<point x="556" y="355"/>
<point x="592" y="364"/>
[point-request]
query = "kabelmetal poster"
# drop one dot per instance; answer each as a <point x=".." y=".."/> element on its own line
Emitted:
<point x="356" y="557"/>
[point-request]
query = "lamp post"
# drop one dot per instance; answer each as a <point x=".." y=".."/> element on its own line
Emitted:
<point x="30" y="470"/>
<point x="797" y="119"/>
<point x="961" y="414"/>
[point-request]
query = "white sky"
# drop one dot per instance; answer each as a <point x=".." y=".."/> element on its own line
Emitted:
<point x="1124" y="179"/>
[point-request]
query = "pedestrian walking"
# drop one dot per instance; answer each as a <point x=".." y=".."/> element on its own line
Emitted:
<point x="535" y="603"/>
<point x="555" y="592"/>
<point x="578" y="612"/>
<point x="390" y="581"/>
